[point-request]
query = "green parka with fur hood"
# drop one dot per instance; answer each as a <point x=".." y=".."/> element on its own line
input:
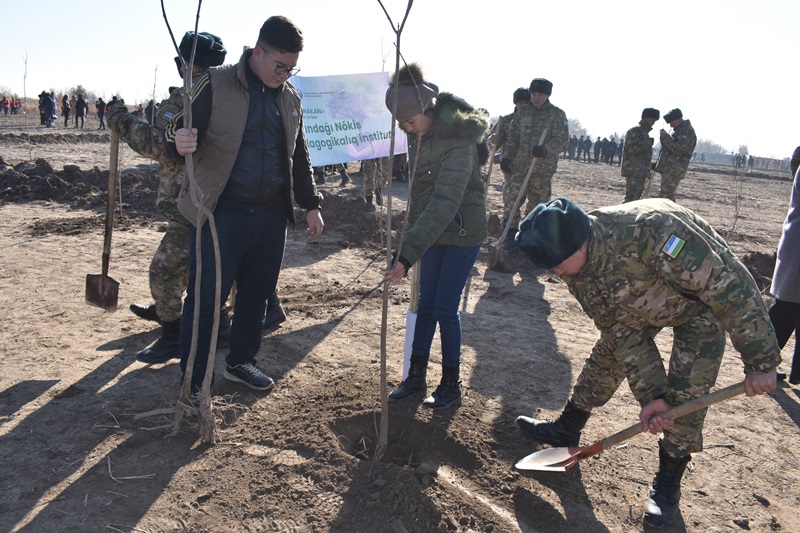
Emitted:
<point x="447" y="205"/>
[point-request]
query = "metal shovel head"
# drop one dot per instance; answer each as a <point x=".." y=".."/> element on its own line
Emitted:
<point x="102" y="291"/>
<point x="550" y="460"/>
<point x="497" y="258"/>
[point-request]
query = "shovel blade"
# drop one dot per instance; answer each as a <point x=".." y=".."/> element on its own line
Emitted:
<point x="550" y="460"/>
<point x="497" y="258"/>
<point x="102" y="291"/>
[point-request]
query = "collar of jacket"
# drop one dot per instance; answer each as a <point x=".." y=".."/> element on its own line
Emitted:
<point x="597" y="258"/>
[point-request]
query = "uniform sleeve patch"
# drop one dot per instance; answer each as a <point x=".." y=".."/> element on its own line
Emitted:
<point x="673" y="246"/>
<point x="168" y="115"/>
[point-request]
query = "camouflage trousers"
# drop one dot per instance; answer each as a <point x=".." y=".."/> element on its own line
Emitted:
<point x="373" y="168"/>
<point x="669" y="184"/>
<point x="539" y="190"/>
<point x="169" y="268"/>
<point x="634" y="187"/>
<point x="697" y="350"/>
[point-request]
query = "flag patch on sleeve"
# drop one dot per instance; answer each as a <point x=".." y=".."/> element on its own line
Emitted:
<point x="673" y="246"/>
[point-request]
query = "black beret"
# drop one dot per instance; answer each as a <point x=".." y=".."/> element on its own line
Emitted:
<point x="522" y="95"/>
<point x="541" y="85"/>
<point x="672" y="115"/>
<point x="649" y="112"/>
<point x="552" y="232"/>
<point x="209" y="52"/>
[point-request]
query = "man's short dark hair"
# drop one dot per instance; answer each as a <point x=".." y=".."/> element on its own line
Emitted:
<point x="280" y="33"/>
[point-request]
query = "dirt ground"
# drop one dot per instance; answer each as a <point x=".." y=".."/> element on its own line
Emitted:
<point x="74" y="457"/>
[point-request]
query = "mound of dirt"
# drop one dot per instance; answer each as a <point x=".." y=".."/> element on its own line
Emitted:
<point x="56" y="138"/>
<point x="77" y="188"/>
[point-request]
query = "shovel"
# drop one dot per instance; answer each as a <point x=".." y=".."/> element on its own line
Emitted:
<point x="102" y="290"/>
<point x="497" y="259"/>
<point x="562" y="459"/>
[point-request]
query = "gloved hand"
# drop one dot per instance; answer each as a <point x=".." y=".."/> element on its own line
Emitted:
<point x="653" y="166"/>
<point x="505" y="165"/>
<point x="114" y="113"/>
<point x="539" y="151"/>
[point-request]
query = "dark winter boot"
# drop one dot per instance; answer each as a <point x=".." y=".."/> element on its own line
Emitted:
<point x="147" y="312"/>
<point x="448" y="393"/>
<point x="416" y="382"/>
<point x="274" y="314"/>
<point x="564" y="431"/>
<point x="167" y="347"/>
<point x="665" y="493"/>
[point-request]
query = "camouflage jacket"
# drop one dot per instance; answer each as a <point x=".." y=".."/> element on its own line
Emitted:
<point x="654" y="264"/>
<point x="676" y="150"/>
<point x="526" y="130"/>
<point x="148" y="141"/>
<point x="503" y="130"/>
<point x="637" y="151"/>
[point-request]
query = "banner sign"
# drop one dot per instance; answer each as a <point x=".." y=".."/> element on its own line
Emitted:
<point x="346" y="119"/>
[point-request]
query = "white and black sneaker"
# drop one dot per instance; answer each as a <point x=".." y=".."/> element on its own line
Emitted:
<point x="251" y="376"/>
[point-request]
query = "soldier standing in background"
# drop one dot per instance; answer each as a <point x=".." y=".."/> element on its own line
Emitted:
<point x="676" y="152"/>
<point x="579" y="148"/>
<point x="587" y="149"/>
<point x="521" y="97"/>
<point x="636" y="268"/>
<point x="522" y="146"/>
<point x="372" y="169"/>
<point x="637" y="154"/>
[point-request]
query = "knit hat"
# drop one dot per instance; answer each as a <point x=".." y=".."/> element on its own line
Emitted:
<point x="522" y="95"/>
<point x="414" y="94"/>
<point x="209" y="52"/>
<point x="541" y="85"/>
<point x="649" y="112"/>
<point x="552" y="232"/>
<point x="672" y="115"/>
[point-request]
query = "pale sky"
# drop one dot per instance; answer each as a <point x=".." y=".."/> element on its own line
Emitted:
<point x="727" y="64"/>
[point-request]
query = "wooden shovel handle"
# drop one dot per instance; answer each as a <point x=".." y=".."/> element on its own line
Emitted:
<point x="676" y="412"/>
<point x="522" y="193"/>
<point x="113" y="172"/>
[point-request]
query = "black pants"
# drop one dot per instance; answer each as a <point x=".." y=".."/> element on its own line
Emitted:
<point x="785" y="317"/>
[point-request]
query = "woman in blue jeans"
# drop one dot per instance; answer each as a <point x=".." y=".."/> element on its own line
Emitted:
<point x="447" y="222"/>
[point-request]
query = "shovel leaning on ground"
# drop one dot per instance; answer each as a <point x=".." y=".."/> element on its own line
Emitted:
<point x="562" y="459"/>
<point x="497" y="258"/>
<point x="102" y="290"/>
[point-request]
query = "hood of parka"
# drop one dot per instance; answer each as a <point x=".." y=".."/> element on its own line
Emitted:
<point x="455" y="118"/>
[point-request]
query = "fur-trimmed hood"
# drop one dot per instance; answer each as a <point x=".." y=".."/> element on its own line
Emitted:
<point x="455" y="118"/>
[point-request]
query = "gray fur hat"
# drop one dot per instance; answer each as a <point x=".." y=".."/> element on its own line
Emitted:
<point x="415" y="95"/>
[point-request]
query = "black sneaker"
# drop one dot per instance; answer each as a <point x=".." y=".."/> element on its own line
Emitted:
<point x="251" y="376"/>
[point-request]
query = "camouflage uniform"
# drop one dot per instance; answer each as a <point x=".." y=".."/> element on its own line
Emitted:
<point x="526" y="130"/>
<point x="375" y="167"/>
<point x="169" y="268"/>
<point x="509" y="187"/>
<point x="637" y="154"/>
<point x="653" y="264"/>
<point x="676" y="152"/>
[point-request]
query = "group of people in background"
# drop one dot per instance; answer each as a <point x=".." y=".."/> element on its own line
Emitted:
<point x="12" y="106"/>
<point x="604" y="150"/>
